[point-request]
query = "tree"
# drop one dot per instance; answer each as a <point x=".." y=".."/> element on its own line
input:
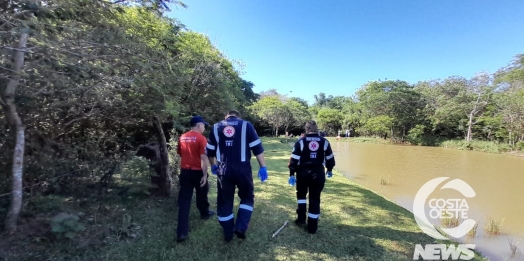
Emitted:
<point x="94" y="74"/>
<point x="396" y="99"/>
<point x="379" y="125"/>
<point x="479" y="89"/>
<point x="321" y="100"/>
<point x="337" y="102"/>
<point x="446" y="105"/>
<point x="15" y="124"/>
<point x="272" y="110"/>
<point x="299" y="113"/>
<point x="329" y="119"/>
<point x="352" y="113"/>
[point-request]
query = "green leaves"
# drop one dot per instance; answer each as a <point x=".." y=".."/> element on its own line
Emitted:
<point x="329" y="119"/>
<point x="66" y="225"/>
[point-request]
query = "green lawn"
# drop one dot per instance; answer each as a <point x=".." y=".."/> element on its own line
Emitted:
<point x="355" y="224"/>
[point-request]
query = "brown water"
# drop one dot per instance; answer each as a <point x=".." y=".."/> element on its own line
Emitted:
<point x="498" y="181"/>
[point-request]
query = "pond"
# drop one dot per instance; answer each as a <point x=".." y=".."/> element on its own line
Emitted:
<point x="398" y="172"/>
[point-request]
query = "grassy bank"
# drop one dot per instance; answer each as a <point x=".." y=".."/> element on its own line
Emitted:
<point x="475" y="145"/>
<point x="128" y="224"/>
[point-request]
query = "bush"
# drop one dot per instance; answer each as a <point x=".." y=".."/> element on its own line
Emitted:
<point x="416" y="134"/>
<point x="66" y="225"/>
<point x="519" y="145"/>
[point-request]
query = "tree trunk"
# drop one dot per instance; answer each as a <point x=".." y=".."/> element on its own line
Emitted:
<point x="470" y="126"/>
<point x="166" y="182"/>
<point x="15" y="123"/>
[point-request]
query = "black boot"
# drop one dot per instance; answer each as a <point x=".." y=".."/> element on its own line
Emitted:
<point x="312" y="225"/>
<point x="240" y="234"/>
<point x="210" y="213"/>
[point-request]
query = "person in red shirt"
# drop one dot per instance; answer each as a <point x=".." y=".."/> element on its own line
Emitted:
<point x="193" y="175"/>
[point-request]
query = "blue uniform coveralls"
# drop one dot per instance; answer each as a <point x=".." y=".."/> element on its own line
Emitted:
<point x="231" y="141"/>
<point x="308" y="158"/>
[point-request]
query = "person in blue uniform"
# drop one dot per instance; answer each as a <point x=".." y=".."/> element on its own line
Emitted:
<point x="229" y="148"/>
<point x="310" y="157"/>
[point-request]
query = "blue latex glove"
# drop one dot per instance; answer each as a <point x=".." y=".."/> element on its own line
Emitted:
<point x="292" y="180"/>
<point x="214" y="169"/>
<point x="329" y="174"/>
<point x="262" y="174"/>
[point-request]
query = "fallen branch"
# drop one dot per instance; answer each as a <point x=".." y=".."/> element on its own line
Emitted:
<point x="280" y="229"/>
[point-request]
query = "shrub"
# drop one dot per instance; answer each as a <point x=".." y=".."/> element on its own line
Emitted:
<point x="66" y="225"/>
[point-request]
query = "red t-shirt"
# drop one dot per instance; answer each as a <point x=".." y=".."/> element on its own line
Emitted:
<point x="190" y="146"/>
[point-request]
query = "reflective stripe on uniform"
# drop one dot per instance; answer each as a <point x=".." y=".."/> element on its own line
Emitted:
<point x="301" y="201"/>
<point x="215" y="130"/>
<point x="295" y="156"/>
<point x="211" y="147"/>
<point x="326" y="144"/>
<point x="226" y="218"/>
<point x="329" y="157"/>
<point x="243" y="142"/>
<point x="246" y="207"/>
<point x="254" y="143"/>
<point x="301" y="145"/>
<point x="313" y="215"/>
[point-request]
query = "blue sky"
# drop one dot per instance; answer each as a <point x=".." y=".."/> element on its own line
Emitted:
<point x="335" y="47"/>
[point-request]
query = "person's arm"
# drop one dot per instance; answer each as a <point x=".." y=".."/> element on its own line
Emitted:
<point x="205" y="166"/>
<point x="295" y="157"/>
<point x="255" y="144"/>
<point x="178" y="147"/>
<point x="202" y="145"/>
<point x="211" y="149"/>
<point x="212" y="160"/>
<point x="329" y="156"/>
<point x="211" y="146"/>
<point x="261" y="160"/>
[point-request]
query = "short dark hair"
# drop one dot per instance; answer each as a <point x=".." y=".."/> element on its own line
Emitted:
<point x="311" y="126"/>
<point x="234" y="113"/>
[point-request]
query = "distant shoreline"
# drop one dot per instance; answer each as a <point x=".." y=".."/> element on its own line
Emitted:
<point x="475" y="145"/>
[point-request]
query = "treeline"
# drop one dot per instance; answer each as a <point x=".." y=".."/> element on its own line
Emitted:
<point x="80" y="81"/>
<point x="486" y="107"/>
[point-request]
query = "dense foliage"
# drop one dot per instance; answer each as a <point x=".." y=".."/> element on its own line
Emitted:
<point x="95" y="73"/>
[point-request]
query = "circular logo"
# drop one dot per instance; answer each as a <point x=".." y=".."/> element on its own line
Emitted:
<point x="313" y="146"/>
<point x="229" y="131"/>
<point x="454" y="208"/>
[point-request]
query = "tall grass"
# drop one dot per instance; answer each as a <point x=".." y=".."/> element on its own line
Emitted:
<point x="384" y="181"/>
<point x="449" y="221"/>
<point x="493" y="225"/>
<point x="473" y="231"/>
<point x="514" y="251"/>
<point x="476" y="145"/>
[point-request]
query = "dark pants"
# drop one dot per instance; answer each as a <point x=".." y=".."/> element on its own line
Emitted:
<point x="230" y="177"/>
<point x="189" y="181"/>
<point x="310" y="180"/>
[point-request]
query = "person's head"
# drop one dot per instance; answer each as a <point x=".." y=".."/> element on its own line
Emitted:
<point x="311" y="127"/>
<point x="233" y="113"/>
<point x="198" y="124"/>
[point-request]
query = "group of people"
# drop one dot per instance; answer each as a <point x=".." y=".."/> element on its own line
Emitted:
<point x="228" y="150"/>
